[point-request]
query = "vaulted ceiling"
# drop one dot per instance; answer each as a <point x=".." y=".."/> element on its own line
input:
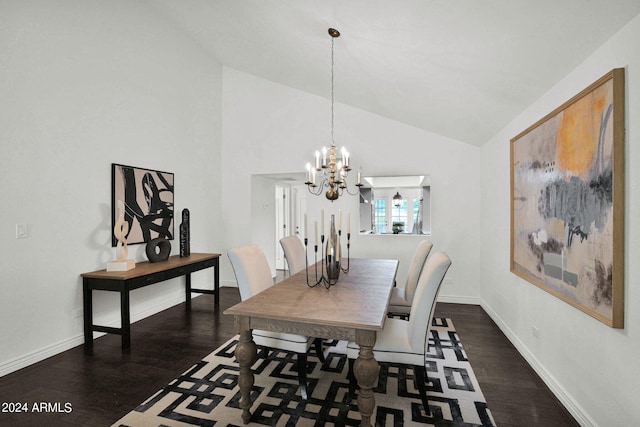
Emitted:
<point x="459" y="68"/>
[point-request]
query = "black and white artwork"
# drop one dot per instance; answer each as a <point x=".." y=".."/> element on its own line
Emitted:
<point x="148" y="201"/>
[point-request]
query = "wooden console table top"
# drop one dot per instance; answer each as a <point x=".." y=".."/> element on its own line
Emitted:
<point x="145" y="268"/>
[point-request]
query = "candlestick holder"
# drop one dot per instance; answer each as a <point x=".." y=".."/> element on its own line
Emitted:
<point x="330" y="265"/>
<point x="346" y="270"/>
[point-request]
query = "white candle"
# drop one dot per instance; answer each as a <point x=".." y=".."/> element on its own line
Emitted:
<point x="324" y="156"/>
<point x="317" y="159"/>
<point x="348" y="221"/>
<point x="305" y="227"/>
<point x="322" y="222"/>
<point x="359" y="176"/>
<point x="339" y="219"/>
<point x="345" y="157"/>
<point x="316" y="241"/>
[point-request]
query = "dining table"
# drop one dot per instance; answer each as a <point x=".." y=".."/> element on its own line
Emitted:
<point x="353" y="309"/>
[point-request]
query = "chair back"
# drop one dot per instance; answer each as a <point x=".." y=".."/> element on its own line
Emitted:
<point x="415" y="268"/>
<point x="251" y="269"/>
<point x="424" y="302"/>
<point x="294" y="253"/>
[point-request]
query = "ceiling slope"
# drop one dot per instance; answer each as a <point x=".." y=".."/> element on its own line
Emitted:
<point x="462" y="69"/>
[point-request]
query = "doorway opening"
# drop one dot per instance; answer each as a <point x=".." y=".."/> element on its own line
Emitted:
<point x="278" y="205"/>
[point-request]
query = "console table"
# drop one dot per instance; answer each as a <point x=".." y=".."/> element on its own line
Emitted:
<point x="144" y="274"/>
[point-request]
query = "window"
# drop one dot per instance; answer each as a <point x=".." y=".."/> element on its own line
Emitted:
<point x="391" y="216"/>
<point x="408" y="213"/>
<point x="399" y="216"/>
<point x="380" y="215"/>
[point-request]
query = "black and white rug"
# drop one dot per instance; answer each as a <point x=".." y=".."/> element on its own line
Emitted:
<point x="207" y="394"/>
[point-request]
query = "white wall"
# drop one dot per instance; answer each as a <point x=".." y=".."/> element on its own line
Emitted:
<point x="84" y="84"/>
<point x="594" y="369"/>
<point x="270" y="128"/>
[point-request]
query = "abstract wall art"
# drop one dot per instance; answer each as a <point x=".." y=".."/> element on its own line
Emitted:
<point x="567" y="201"/>
<point x="148" y="201"/>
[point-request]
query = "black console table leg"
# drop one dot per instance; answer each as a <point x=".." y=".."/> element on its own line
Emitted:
<point x="188" y="290"/>
<point x="87" y="309"/>
<point x="216" y="281"/>
<point x="125" y="319"/>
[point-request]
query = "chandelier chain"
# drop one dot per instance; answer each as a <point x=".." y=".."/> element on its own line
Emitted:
<point x="332" y="100"/>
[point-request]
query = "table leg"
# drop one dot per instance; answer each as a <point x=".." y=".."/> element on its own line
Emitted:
<point x="366" y="372"/>
<point x="125" y="319"/>
<point x="216" y="281"/>
<point x="87" y="309"/>
<point x="188" y="290"/>
<point x="246" y="353"/>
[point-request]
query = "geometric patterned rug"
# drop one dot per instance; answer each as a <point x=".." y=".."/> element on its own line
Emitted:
<point x="207" y="394"/>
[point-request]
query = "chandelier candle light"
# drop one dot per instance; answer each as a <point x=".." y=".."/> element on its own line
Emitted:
<point x="331" y="254"/>
<point x="332" y="174"/>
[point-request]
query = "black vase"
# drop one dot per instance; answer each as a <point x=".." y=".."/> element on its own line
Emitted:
<point x="158" y="249"/>
<point x="185" y="244"/>
<point x="333" y="252"/>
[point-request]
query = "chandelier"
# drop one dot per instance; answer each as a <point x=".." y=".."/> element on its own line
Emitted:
<point x="329" y="171"/>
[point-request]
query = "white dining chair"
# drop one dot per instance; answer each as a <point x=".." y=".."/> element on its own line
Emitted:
<point x="294" y="253"/>
<point x="296" y="256"/>
<point x="402" y="297"/>
<point x="254" y="276"/>
<point x="406" y="342"/>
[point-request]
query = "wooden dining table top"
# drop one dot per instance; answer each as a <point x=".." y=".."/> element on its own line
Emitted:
<point x="358" y="300"/>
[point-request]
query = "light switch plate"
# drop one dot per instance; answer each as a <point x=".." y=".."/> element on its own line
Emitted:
<point x="22" y="231"/>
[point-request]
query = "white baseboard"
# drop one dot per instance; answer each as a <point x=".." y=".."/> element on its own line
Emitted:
<point x="459" y="300"/>
<point x="556" y="388"/>
<point x="40" y="354"/>
<point x="78" y="339"/>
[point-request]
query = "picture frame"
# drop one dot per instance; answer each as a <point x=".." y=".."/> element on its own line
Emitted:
<point x="567" y="201"/>
<point x="148" y="199"/>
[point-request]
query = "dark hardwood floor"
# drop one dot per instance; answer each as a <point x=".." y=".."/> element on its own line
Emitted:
<point x="515" y="394"/>
<point x="98" y="389"/>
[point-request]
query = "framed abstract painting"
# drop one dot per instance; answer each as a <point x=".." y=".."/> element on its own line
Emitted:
<point x="148" y="201"/>
<point x="567" y="201"/>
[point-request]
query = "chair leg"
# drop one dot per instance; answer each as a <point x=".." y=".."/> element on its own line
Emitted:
<point x="352" y="378"/>
<point x="401" y="316"/>
<point x="302" y="374"/>
<point x="421" y="380"/>
<point x="319" y="351"/>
